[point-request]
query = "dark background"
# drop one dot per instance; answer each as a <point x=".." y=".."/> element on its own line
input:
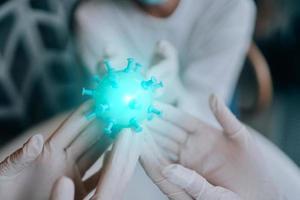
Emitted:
<point x="278" y="36"/>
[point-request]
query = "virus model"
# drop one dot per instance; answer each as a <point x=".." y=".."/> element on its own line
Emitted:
<point x="123" y="99"/>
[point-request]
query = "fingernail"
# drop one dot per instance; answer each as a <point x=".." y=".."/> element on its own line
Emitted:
<point x="38" y="140"/>
<point x="35" y="146"/>
<point x="176" y="175"/>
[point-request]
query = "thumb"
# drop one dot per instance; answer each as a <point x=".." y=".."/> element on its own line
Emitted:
<point x="165" y="49"/>
<point x="195" y="185"/>
<point x="112" y="54"/>
<point x="63" y="189"/>
<point x="165" y="57"/>
<point x="23" y="157"/>
<point x="232" y="127"/>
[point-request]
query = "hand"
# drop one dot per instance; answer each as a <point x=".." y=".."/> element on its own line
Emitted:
<point x="113" y="177"/>
<point x="195" y="185"/>
<point x="230" y="157"/>
<point x="153" y="161"/>
<point x="70" y="150"/>
<point x="175" y="181"/>
<point x="165" y="67"/>
<point x="198" y="188"/>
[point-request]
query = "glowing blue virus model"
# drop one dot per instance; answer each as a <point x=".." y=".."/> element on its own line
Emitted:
<point x="123" y="99"/>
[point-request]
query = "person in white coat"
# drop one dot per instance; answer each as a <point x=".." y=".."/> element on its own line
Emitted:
<point x="210" y="39"/>
<point x="196" y="47"/>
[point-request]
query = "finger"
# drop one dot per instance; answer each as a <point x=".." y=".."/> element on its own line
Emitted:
<point x="230" y="124"/>
<point x="154" y="162"/>
<point x="114" y="168"/>
<point x="63" y="189"/>
<point x="165" y="61"/>
<point x="125" y="175"/>
<point x="151" y="158"/>
<point x="23" y="157"/>
<point x="110" y="54"/>
<point x="93" y="153"/>
<point x="168" y="129"/>
<point x="87" y="138"/>
<point x="71" y="127"/>
<point x="160" y="70"/>
<point x="196" y="185"/>
<point x="166" y="143"/>
<point x="178" y="117"/>
<point x="129" y="165"/>
<point x="166" y="50"/>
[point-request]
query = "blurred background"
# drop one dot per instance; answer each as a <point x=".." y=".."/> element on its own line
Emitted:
<point x="41" y="73"/>
<point x="275" y="114"/>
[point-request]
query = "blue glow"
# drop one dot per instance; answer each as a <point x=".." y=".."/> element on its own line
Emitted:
<point x="123" y="99"/>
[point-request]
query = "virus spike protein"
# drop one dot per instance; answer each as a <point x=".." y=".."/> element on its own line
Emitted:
<point x="123" y="99"/>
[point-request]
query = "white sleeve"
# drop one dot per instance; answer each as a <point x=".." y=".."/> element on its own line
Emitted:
<point x="217" y="49"/>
